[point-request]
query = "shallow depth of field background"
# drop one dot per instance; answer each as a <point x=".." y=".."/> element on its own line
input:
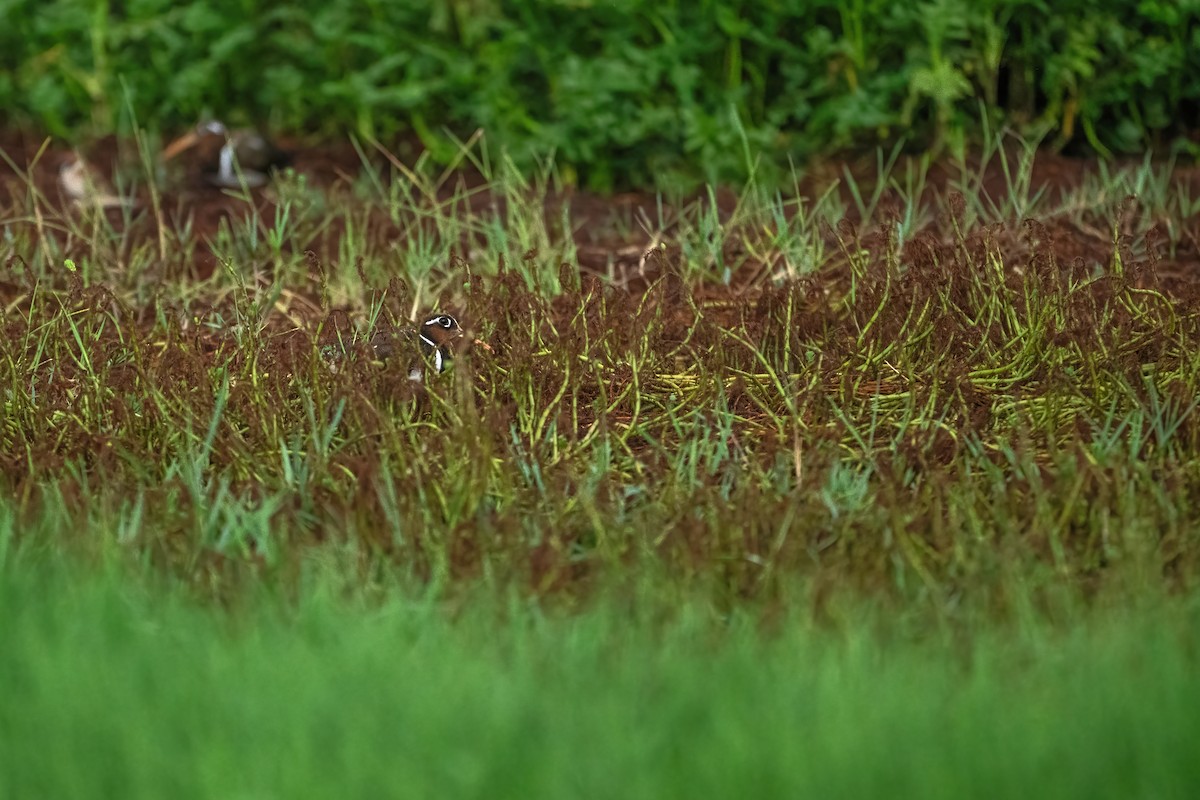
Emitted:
<point x="631" y="94"/>
<point x="826" y="422"/>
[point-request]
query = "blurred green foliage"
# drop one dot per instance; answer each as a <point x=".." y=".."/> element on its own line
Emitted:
<point x="622" y="92"/>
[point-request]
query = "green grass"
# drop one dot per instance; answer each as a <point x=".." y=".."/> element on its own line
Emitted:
<point x="635" y="93"/>
<point x="876" y="487"/>
<point x="932" y="400"/>
<point x="111" y="689"/>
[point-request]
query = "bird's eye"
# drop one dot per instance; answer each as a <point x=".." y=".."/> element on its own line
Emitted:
<point x="446" y="322"/>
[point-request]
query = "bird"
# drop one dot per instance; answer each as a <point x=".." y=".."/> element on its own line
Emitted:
<point x="230" y="158"/>
<point x="85" y="186"/>
<point x="432" y="344"/>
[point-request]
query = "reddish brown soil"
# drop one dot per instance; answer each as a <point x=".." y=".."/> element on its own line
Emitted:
<point x="175" y="364"/>
<point x="608" y="237"/>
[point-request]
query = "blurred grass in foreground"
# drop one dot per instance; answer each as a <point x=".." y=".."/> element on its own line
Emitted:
<point x="111" y="690"/>
<point x="896" y="509"/>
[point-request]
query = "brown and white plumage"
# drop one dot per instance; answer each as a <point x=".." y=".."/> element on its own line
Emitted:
<point x="432" y="344"/>
<point x="433" y="341"/>
<point x="229" y="158"/>
<point x="86" y="186"/>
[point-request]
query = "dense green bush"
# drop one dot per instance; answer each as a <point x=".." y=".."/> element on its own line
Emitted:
<point x="624" y="91"/>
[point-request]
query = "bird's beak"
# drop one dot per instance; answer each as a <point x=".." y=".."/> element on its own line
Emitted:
<point x="179" y="145"/>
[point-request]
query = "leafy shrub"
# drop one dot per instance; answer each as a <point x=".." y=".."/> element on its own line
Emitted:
<point x="622" y="92"/>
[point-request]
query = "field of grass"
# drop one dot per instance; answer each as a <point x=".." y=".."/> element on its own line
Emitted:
<point x="877" y="484"/>
<point x="111" y="689"/>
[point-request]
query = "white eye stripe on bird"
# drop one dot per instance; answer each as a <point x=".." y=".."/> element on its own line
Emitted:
<point x="430" y="346"/>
